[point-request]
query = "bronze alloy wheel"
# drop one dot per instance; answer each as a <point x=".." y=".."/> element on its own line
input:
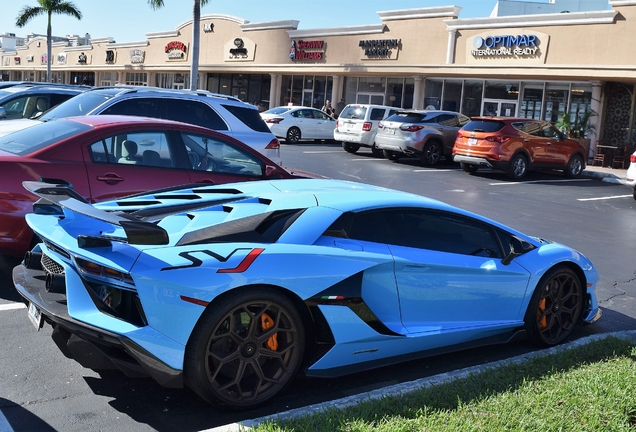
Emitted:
<point x="245" y="349"/>
<point x="555" y="307"/>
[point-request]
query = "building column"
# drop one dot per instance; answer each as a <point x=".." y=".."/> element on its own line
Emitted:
<point x="597" y="107"/>
<point x="450" y="50"/>
<point x="418" y="92"/>
<point x="274" y="90"/>
<point x="121" y="77"/>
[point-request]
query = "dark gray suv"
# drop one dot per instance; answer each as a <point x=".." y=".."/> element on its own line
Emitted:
<point x="222" y="113"/>
<point x="426" y="134"/>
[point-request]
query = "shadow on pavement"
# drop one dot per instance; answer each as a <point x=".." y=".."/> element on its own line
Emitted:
<point x="7" y="290"/>
<point x="21" y="420"/>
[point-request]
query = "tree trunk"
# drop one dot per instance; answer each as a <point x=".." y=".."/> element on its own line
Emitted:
<point x="196" y="34"/>
<point x="48" y="48"/>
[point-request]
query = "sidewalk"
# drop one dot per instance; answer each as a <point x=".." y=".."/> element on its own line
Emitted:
<point x="610" y="175"/>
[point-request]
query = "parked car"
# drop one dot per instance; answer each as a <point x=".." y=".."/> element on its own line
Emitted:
<point x="631" y="173"/>
<point x="232" y="289"/>
<point x="516" y="146"/>
<point x="111" y="156"/>
<point x="427" y="134"/>
<point x="357" y="126"/>
<point x="26" y="101"/>
<point x="222" y="113"/>
<point x="295" y="123"/>
<point x="5" y="84"/>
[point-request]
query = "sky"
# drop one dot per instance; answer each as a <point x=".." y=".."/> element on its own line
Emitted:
<point x="130" y="20"/>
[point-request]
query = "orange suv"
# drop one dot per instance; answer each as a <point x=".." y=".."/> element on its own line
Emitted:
<point x="516" y="146"/>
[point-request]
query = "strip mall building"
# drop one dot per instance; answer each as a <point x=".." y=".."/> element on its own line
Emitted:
<point x="535" y="66"/>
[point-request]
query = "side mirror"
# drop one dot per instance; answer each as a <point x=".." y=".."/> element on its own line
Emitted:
<point x="3" y="113"/>
<point x="517" y="248"/>
<point x="271" y="171"/>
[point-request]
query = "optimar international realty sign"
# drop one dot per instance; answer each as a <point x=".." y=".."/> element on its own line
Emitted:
<point x="507" y="47"/>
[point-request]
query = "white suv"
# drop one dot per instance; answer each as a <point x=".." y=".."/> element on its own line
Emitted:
<point x="357" y="126"/>
<point x="222" y="113"/>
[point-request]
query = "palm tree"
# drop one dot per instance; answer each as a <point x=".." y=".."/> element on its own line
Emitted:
<point x="48" y="7"/>
<point x="196" y="34"/>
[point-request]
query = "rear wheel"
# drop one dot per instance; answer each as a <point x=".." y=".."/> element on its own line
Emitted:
<point x="376" y="151"/>
<point x="518" y="167"/>
<point x="469" y="168"/>
<point x="293" y="135"/>
<point x="555" y="307"/>
<point x="634" y="193"/>
<point x="391" y="155"/>
<point x="245" y="349"/>
<point x="431" y="154"/>
<point x="350" y="148"/>
<point x="574" y="167"/>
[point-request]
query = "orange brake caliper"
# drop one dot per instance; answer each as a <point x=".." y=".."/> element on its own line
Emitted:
<point x="266" y="324"/>
<point x="543" y="322"/>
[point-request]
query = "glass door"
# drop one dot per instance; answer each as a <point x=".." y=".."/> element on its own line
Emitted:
<point x="501" y="108"/>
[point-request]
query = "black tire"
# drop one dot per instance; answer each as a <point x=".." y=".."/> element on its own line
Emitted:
<point x="293" y="135"/>
<point x="228" y="361"/>
<point x="350" y="148"/>
<point x="634" y="193"/>
<point x="469" y="168"/>
<point x="574" y="167"/>
<point x="431" y="153"/>
<point x="391" y="155"/>
<point x="555" y="307"/>
<point x="376" y="151"/>
<point x="518" y="167"/>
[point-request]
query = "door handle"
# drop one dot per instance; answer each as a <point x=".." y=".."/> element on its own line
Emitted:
<point x="418" y="267"/>
<point x="526" y="139"/>
<point x="206" y="181"/>
<point x="110" y="178"/>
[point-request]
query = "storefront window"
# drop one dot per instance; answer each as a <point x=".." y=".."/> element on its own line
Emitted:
<point x="433" y="94"/>
<point x="394" y="90"/>
<point x="556" y="100"/>
<point x="225" y="84"/>
<point x="57" y="77"/>
<point x="472" y="97"/>
<point x="137" y="78"/>
<point x="531" y="102"/>
<point x="409" y="91"/>
<point x="501" y="90"/>
<point x="351" y="89"/>
<point x="580" y="100"/>
<point x="452" y="95"/>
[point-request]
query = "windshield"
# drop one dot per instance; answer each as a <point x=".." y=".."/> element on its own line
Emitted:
<point x="32" y="139"/>
<point x="79" y="105"/>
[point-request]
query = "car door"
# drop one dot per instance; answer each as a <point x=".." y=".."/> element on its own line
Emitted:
<point x="324" y="125"/>
<point x="131" y="162"/>
<point x="559" y="149"/>
<point x="304" y="120"/>
<point x="449" y="273"/>
<point x="534" y="142"/>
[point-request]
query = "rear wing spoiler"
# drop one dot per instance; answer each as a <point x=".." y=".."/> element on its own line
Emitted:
<point x="56" y="197"/>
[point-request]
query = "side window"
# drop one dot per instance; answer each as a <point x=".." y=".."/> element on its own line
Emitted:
<point x="533" y="128"/>
<point x="145" y="148"/>
<point x="216" y="155"/>
<point x="462" y="120"/>
<point x="443" y="232"/>
<point x="377" y="114"/>
<point x="370" y="226"/>
<point x="57" y="99"/>
<point x="144" y="107"/>
<point x="305" y="113"/>
<point x="319" y="115"/>
<point x="17" y="108"/>
<point x="194" y="112"/>
<point x="550" y="131"/>
<point x="447" y="120"/>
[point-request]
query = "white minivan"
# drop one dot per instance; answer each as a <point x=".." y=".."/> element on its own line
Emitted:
<point x="357" y="125"/>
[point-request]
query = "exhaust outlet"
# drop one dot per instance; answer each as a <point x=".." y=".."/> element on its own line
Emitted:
<point x="33" y="260"/>
<point x="55" y="283"/>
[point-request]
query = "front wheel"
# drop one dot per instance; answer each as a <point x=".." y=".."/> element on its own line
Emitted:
<point x="431" y="154"/>
<point x="350" y="148"/>
<point x="245" y="349"/>
<point x="391" y="155"/>
<point x="634" y="193"/>
<point x="469" y="168"/>
<point x="518" y="167"/>
<point x="555" y="307"/>
<point x="293" y="135"/>
<point x="574" y="167"/>
<point x="376" y="152"/>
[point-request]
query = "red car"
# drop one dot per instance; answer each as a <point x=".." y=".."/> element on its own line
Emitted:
<point x="104" y="157"/>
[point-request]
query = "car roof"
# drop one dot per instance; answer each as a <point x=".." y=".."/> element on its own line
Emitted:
<point x="102" y="120"/>
<point x="145" y="90"/>
<point x="505" y="119"/>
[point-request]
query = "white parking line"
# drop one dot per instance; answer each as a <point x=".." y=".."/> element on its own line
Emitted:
<point x="368" y="159"/>
<point x="11" y="306"/>
<point x="323" y="151"/>
<point x="604" y="198"/>
<point x="434" y="170"/>
<point x="538" y="181"/>
<point x="4" y="424"/>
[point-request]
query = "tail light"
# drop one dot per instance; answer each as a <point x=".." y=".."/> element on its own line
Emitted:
<point x="411" y="128"/>
<point x="632" y="159"/>
<point x="274" y="120"/>
<point x="366" y="126"/>
<point x="337" y="124"/>
<point x="380" y="125"/>
<point x="497" y="138"/>
<point x="273" y="144"/>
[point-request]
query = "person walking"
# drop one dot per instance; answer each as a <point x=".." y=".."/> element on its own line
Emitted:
<point x="328" y="108"/>
<point x="340" y="106"/>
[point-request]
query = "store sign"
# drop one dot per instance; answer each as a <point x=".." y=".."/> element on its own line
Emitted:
<point x="110" y="56"/>
<point x="507" y="47"/>
<point x="307" y="50"/>
<point x="239" y="49"/>
<point x="176" y="50"/>
<point x="44" y="59"/>
<point x="82" y="59"/>
<point x="16" y="60"/>
<point x="383" y="49"/>
<point x="61" y="59"/>
<point x="29" y="58"/>
<point x="208" y="28"/>
<point x="137" y="56"/>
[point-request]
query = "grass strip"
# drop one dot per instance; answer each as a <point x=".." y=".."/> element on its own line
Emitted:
<point x="589" y="387"/>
